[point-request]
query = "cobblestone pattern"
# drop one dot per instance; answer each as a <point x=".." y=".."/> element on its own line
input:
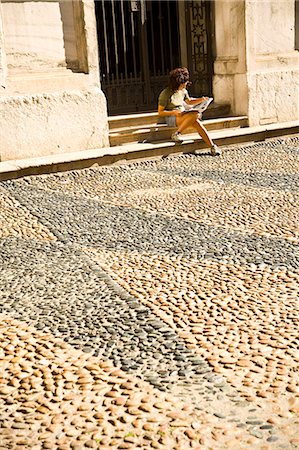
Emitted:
<point x="199" y="293"/>
<point x="64" y="294"/>
<point x="55" y="397"/>
<point x="231" y="315"/>
<point x="15" y="220"/>
<point x="89" y="223"/>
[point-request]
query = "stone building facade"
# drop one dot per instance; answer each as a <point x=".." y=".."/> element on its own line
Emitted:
<point x="256" y="66"/>
<point x="50" y="96"/>
<point x="51" y="99"/>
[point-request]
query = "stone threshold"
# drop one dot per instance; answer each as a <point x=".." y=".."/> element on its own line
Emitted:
<point x="133" y="151"/>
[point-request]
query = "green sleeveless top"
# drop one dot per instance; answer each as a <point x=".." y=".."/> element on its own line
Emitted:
<point x="170" y="99"/>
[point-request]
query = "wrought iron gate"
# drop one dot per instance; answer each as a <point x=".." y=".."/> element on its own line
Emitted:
<point x="140" y="42"/>
<point x="200" y="34"/>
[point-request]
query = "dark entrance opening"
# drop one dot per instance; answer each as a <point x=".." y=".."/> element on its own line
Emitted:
<point x="140" y="41"/>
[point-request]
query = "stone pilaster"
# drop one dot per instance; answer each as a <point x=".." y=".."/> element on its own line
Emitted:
<point x="52" y="101"/>
<point x="272" y="62"/>
<point x="256" y="66"/>
<point x="229" y="84"/>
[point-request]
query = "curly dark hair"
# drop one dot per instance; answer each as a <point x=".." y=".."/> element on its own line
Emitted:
<point x="177" y="77"/>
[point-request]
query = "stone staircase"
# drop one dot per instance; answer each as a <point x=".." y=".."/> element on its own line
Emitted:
<point x="138" y="136"/>
<point x="144" y="128"/>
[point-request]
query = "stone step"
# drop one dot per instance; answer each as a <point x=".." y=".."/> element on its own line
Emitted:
<point x="152" y="132"/>
<point x="130" y="120"/>
<point x="134" y="151"/>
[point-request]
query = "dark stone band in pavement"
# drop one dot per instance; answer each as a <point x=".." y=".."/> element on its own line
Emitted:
<point x="90" y="223"/>
<point x="55" y="288"/>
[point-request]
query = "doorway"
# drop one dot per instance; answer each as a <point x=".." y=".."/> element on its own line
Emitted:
<point x="140" y="41"/>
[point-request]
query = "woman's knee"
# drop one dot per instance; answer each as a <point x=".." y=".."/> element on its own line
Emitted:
<point x="192" y="117"/>
<point x="198" y="118"/>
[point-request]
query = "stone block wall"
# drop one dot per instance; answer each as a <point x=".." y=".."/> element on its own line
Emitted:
<point x="50" y="96"/>
<point x="257" y="66"/>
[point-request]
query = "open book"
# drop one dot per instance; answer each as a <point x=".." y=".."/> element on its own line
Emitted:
<point x="200" y="107"/>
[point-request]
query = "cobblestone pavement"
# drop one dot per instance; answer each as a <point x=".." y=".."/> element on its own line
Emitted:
<point x="153" y="305"/>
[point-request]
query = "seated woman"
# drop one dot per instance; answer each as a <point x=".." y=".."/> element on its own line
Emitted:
<point x="171" y="108"/>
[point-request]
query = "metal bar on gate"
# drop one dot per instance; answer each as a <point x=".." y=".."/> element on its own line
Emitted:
<point x="124" y="36"/>
<point x="133" y="44"/>
<point x="105" y="39"/>
<point x="170" y="36"/>
<point x="144" y="49"/>
<point x="188" y="11"/>
<point x="161" y="37"/>
<point x="209" y="32"/>
<point x="153" y="43"/>
<point x="115" y="37"/>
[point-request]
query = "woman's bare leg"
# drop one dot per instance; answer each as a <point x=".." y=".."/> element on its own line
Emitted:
<point x="185" y="121"/>
<point x="201" y="129"/>
<point x="188" y="120"/>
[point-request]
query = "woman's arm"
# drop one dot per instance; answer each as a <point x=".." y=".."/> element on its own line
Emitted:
<point x="195" y="101"/>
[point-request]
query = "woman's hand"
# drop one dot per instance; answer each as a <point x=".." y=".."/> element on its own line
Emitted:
<point x="176" y="112"/>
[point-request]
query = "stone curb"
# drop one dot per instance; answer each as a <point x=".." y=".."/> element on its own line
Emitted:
<point x="111" y="155"/>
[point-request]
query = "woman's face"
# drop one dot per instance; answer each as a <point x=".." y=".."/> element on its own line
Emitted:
<point x="183" y="85"/>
